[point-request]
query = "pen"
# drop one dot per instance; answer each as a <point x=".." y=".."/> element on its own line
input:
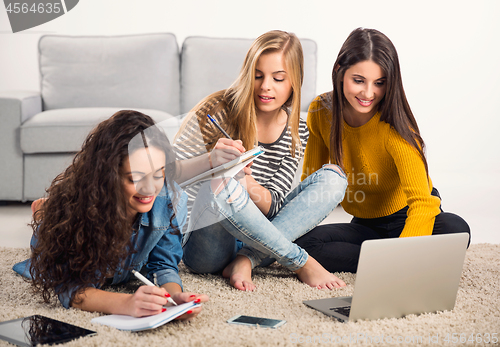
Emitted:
<point x="148" y="283"/>
<point x="218" y="126"/>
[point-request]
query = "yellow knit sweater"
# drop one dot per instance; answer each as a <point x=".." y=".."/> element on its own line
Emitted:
<point x="384" y="172"/>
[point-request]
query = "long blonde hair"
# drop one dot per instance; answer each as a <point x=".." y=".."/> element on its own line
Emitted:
<point x="238" y="99"/>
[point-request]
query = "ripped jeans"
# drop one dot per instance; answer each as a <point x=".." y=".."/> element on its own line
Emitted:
<point x="219" y="230"/>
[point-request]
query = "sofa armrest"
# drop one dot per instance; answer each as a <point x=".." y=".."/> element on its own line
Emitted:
<point x="16" y="107"/>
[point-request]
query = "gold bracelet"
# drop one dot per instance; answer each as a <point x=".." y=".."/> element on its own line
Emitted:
<point x="210" y="160"/>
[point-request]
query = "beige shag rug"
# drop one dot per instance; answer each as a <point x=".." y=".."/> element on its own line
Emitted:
<point x="280" y="295"/>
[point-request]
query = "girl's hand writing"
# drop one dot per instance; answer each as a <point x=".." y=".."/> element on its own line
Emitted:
<point x="225" y="150"/>
<point x="147" y="301"/>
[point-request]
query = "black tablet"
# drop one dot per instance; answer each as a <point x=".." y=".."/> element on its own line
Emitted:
<point x="34" y="330"/>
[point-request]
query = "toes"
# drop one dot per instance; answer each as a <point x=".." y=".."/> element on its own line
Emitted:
<point x="239" y="285"/>
<point x="249" y="286"/>
<point x="244" y="286"/>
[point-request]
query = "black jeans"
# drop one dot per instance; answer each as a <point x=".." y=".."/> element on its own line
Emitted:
<point x="337" y="246"/>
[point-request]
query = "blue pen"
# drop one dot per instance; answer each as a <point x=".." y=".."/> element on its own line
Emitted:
<point x="218" y="126"/>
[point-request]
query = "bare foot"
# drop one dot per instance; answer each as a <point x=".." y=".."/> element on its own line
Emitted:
<point x="315" y="275"/>
<point x="239" y="272"/>
<point x="36" y="205"/>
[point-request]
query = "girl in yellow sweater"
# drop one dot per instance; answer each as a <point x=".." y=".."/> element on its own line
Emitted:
<point x="366" y="126"/>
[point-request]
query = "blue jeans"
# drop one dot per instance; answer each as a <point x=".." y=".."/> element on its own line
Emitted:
<point x="219" y="230"/>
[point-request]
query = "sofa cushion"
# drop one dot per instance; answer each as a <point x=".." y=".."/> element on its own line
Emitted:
<point x="64" y="130"/>
<point x="211" y="64"/>
<point x="141" y="71"/>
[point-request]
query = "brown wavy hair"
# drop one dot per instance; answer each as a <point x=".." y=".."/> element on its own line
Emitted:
<point x="370" y="44"/>
<point x="82" y="229"/>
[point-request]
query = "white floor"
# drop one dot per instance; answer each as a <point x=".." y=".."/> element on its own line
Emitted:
<point x="15" y="232"/>
<point x="14" y="228"/>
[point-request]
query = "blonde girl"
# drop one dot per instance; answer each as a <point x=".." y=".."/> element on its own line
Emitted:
<point x="250" y="221"/>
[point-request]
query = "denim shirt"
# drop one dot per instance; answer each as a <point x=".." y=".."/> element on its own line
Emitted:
<point x="158" y="251"/>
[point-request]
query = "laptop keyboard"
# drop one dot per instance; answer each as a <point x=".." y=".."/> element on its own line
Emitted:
<point x="344" y="310"/>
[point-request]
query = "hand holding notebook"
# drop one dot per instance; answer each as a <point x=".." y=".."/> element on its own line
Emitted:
<point x="229" y="169"/>
<point x="124" y="322"/>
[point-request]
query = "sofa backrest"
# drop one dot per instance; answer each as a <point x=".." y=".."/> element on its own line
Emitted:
<point x="134" y="71"/>
<point x="211" y="64"/>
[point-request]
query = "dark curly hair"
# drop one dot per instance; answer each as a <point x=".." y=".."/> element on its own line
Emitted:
<point x="82" y="230"/>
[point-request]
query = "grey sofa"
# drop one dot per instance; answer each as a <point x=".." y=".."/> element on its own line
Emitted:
<point x="85" y="79"/>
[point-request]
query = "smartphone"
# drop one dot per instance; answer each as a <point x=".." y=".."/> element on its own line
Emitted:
<point x="256" y="321"/>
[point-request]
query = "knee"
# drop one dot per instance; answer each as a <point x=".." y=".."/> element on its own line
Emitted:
<point x="452" y="222"/>
<point x="333" y="181"/>
<point x="233" y="193"/>
<point x="447" y="223"/>
<point x="334" y="176"/>
<point x="335" y="168"/>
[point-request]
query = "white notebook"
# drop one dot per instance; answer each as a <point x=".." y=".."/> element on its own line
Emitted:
<point x="124" y="322"/>
<point x="229" y="169"/>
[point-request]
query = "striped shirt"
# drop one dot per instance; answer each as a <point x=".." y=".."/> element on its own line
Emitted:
<point x="274" y="170"/>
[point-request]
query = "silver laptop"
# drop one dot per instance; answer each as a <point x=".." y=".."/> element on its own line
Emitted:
<point x="401" y="276"/>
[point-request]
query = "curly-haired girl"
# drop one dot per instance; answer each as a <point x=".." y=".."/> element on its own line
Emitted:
<point x="113" y="210"/>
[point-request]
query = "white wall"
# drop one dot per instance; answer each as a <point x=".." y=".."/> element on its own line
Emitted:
<point x="448" y="52"/>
